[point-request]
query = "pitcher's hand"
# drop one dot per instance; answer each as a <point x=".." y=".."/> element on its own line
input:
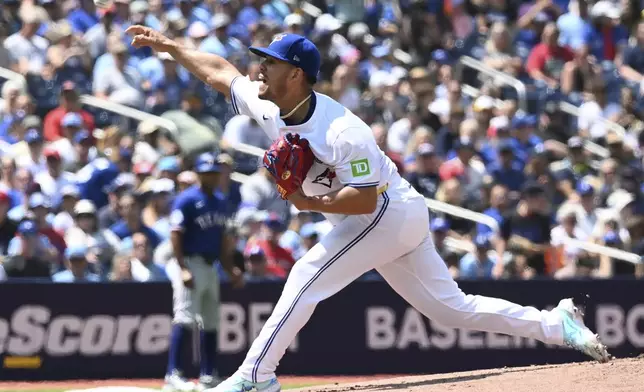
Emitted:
<point x="145" y="36"/>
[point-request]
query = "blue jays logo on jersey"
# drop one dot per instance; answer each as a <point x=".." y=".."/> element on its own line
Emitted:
<point x="325" y="178"/>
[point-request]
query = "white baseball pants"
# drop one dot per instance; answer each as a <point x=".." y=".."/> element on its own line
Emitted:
<point x="198" y="306"/>
<point x="395" y="240"/>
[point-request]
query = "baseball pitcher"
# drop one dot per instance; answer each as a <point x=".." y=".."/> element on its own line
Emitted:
<point x="198" y="239"/>
<point x="379" y="220"/>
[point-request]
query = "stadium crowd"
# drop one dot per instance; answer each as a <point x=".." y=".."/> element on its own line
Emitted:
<point x="86" y="194"/>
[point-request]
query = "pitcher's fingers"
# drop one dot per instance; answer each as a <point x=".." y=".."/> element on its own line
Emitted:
<point x="136" y="29"/>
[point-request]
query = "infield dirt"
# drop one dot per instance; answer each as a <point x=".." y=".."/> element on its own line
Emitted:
<point x="620" y="375"/>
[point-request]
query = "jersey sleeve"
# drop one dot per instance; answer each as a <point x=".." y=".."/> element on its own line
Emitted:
<point x="358" y="160"/>
<point x="179" y="215"/>
<point x="245" y="100"/>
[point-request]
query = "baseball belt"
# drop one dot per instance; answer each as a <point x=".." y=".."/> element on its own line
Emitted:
<point x="383" y="189"/>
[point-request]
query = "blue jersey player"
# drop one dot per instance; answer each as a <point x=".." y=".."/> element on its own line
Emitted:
<point x="199" y="221"/>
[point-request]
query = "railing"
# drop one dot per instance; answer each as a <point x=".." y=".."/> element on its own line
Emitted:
<point x="435" y="205"/>
<point x="473" y="216"/>
<point x="520" y="87"/>
<point x="589" y="146"/>
<point x="501" y="77"/>
<point x="574" y="111"/>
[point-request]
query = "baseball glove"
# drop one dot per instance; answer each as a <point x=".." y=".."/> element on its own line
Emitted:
<point x="288" y="160"/>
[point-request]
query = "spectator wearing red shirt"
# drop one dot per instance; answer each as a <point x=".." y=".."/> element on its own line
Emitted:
<point x="547" y="59"/>
<point x="279" y="260"/>
<point x="69" y="102"/>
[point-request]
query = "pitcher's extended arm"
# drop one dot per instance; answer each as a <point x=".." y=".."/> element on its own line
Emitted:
<point x="210" y="68"/>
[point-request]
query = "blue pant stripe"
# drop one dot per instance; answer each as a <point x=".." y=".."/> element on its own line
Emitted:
<point x="232" y="96"/>
<point x="317" y="275"/>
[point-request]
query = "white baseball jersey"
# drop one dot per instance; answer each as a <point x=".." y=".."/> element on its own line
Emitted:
<point x="394" y="239"/>
<point x="345" y="149"/>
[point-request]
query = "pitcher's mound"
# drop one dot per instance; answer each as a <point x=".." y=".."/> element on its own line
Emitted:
<point x="620" y="375"/>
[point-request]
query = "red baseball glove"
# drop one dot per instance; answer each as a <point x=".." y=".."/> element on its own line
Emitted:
<point x="288" y="160"/>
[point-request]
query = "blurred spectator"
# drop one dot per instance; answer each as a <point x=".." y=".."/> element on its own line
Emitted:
<point x="425" y="178"/>
<point x="109" y="214"/>
<point x="130" y="222"/>
<point x="547" y="59"/>
<point x="526" y="233"/>
<point x="231" y="189"/>
<point x="121" y="269"/>
<point x="468" y="170"/>
<point x="573" y="168"/>
<point x="260" y="192"/>
<point x="142" y="267"/>
<point x="31" y="255"/>
<point x="64" y="220"/>
<point x="123" y="84"/>
<point x="439" y="228"/>
<point x="499" y="205"/>
<point x="8" y="227"/>
<point x="507" y="171"/>
<point x="54" y="179"/>
<point x="257" y="267"/>
<point x="55" y="123"/>
<point x="632" y="61"/>
<point x="77" y="267"/>
<point x="28" y="51"/>
<point x="479" y="264"/>
<point x="579" y="73"/>
<point x="156" y="214"/>
<point x="310" y="237"/>
<point x="566" y="254"/>
<point x="279" y="260"/>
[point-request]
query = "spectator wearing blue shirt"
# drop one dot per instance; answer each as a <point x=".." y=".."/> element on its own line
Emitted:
<point x="163" y="82"/>
<point x="631" y="63"/>
<point x="80" y="19"/>
<point x="498" y="207"/>
<point x="523" y="127"/>
<point x="507" y="171"/>
<point x="168" y="167"/>
<point x="93" y="179"/>
<point x="605" y="38"/>
<point x="478" y="265"/>
<point x="131" y="222"/>
<point x="220" y="43"/>
<point x="188" y="10"/>
<point x="574" y="26"/>
<point x="77" y="267"/>
<point x="526" y="232"/>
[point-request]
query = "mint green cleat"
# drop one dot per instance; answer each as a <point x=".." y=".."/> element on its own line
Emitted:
<point x="237" y="383"/>
<point x="577" y="335"/>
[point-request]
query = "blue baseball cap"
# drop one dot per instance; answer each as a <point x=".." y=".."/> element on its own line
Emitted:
<point x="81" y="136"/>
<point x="439" y="224"/>
<point x="295" y="50"/>
<point x="72" y="120"/>
<point x="27" y="227"/>
<point x="33" y="136"/>
<point x="207" y="163"/>
<point x="76" y="252"/>
<point x="611" y="238"/>
<point x="585" y="189"/>
<point x="170" y="164"/>
<point x="255" y="251"/>
<point x="482" y="241"/>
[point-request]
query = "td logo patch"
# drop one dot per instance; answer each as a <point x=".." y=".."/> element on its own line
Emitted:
<point x="360" y="167"/>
